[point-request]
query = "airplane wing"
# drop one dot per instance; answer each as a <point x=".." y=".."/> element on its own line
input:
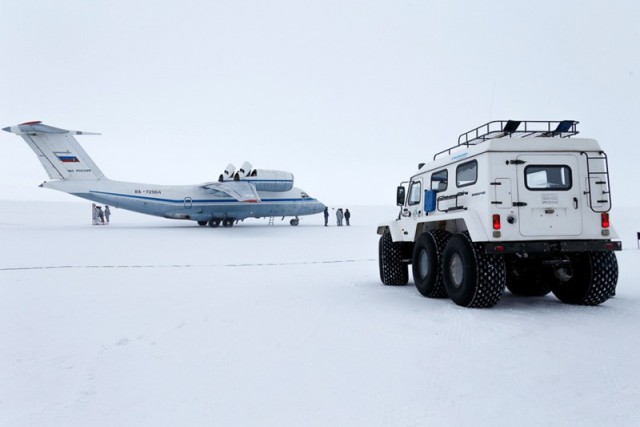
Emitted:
<point x="242" y="191"/>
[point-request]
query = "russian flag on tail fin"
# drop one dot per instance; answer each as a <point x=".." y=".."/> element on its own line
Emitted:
<point x="66" y="157"/>
<point x="58" y="151"/>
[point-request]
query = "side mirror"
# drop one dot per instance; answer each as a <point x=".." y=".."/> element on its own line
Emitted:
<point x="400" y="195"/>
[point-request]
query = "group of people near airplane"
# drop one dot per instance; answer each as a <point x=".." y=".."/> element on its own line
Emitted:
<point x="98" y="216"/>
<point x="340" y="216"/>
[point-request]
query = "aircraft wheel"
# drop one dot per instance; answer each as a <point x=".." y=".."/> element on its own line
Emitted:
<point x="227" y="222"/>
<point x="202" y="223"/>
<point x="294" y="222"/>
<point x="214" y="222"/>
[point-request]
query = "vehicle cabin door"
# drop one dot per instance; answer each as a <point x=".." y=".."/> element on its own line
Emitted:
<point x="548" y="195"/>
<point x="414" y="201"/>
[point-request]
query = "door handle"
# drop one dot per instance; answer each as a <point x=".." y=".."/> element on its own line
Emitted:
<point x="575" y="203"/>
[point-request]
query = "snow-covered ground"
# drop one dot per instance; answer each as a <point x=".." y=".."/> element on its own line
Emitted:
<point x="157" y="322"/>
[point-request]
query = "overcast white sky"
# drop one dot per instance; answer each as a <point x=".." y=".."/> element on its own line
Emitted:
<point x="347" y="95"/>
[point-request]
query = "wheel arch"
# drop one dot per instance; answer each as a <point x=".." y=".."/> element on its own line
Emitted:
<point x="394" y="229"/>
<point x="455" y="223"/>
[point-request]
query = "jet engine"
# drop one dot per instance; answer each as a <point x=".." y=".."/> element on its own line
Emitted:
<point x="262" y="179"/>
<point x="270" y="180"/>
<point x="228" y="173"/>
<point x="245" y="169"/>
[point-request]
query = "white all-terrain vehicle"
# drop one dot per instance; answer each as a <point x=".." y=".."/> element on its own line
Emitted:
<point x="515" y="203"/>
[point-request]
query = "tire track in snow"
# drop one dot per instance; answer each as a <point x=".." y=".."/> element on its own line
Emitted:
<point x="259" y="264"/>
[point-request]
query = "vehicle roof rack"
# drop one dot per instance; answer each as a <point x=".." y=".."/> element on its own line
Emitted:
<point x="515" y="129"/>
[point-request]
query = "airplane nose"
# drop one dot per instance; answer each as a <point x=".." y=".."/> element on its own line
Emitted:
<point x="7" y="129"/>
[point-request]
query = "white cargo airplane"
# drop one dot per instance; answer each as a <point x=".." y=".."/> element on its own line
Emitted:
<point x="235" y="196"/>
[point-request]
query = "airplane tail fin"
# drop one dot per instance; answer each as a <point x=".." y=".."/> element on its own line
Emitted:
<point x="58" y="151"/>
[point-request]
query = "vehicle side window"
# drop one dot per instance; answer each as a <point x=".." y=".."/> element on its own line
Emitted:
<point x="439" y="180"/>
<point x="415" y="192"/>
<point x="467" y="174"/>
<point x="548" y="177"/>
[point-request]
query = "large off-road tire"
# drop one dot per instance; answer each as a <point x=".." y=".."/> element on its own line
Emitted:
<point x="471" y="277"/>
<point x="393" y="272"/>
<point x="589" y="279"/>
<point x="427" y="263"/>
<point x="525" y="277"/>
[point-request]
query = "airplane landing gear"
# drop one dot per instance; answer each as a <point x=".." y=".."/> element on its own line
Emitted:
<point x="202" y="223"/>
<point x="216" y="222"/>
<point x="295" y="221"/>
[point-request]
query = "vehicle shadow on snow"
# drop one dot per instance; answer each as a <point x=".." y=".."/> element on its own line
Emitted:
<point x="509" y="302"/>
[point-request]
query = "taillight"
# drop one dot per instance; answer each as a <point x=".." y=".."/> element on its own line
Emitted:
<point x="496" y="222"/>
<point x="604" y="219"/>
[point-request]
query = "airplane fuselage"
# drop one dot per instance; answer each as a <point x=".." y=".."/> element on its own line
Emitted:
<point x="190" y="202"/>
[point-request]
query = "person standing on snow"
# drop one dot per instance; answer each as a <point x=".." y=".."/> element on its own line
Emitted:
<point x="100" y="215"/>
<point x="94" y="214"/>
<point x="347" y="216"/>
<point x="339" y="216"/>
<point x="326" y="216"/>
<point x="107" y="214"/>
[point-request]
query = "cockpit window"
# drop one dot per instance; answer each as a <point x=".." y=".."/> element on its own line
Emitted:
<point x="548" y="177"/>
